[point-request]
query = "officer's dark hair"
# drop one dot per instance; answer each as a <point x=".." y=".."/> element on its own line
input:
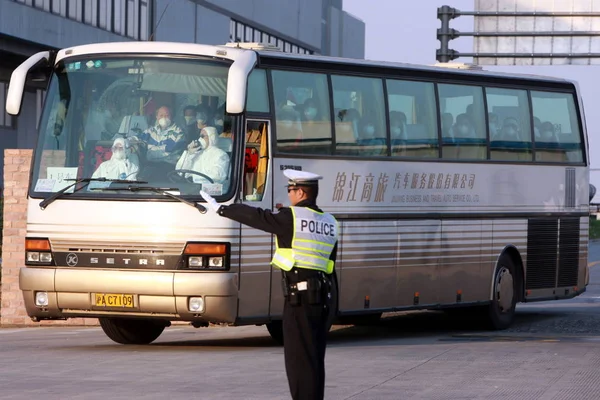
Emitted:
<point x="311" y="192"/>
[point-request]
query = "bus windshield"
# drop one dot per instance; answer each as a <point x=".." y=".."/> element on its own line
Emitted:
<point x="157" y="120"/>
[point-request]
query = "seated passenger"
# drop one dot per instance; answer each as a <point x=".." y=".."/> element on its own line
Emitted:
<point x="370" y="144"/>
<point x="447" y="122"/>
<point x="463" y="127"/>
<point x="510" y="131"/>
<point x="289" y="132"/>
<point x="398" y="126"/>
<point x="493" y="125"/>
<point x="165" y="140"/>
<point x="547" y="133"/>
<point x="122" y="164"/>
<point x="310" y="110"/>
<point x="205" y="157"/>
<point x="191" y="130"/>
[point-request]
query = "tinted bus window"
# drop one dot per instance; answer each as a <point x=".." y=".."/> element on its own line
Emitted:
<point x="360" y="126"/>
<point x="413" y="119"/>
<point x="509" y="124"/>
<point x="257" y="96"/>
<point x="463" y="122"/>
<point x="303" y="122"/>
<point x="557" y="131"/>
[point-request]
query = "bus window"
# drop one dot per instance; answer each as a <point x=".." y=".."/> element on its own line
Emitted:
<point x="413" y="120"/>
<point x="463" y="126"/>
<point x="509" y="124"/>
<point x="558" y="135"/>
<point x="360" y="116"/>
<point x="303" y="123"/>
<point x="257" y="96"/>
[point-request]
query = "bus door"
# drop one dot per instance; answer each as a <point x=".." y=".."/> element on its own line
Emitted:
<point x="256" y="247"/>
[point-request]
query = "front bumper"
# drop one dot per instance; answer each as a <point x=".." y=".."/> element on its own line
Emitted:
<point x="157" y="294"/>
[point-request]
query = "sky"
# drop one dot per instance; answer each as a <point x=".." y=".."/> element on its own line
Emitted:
<point x="405" y="31"/>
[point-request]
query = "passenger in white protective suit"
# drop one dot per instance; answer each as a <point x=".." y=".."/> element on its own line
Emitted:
<point x="204" y="156"/>
<point x="122" y="164"/>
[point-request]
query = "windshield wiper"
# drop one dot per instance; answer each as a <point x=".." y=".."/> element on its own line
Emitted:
<point x="86" y="181"/>
<point x="163" y="191"/>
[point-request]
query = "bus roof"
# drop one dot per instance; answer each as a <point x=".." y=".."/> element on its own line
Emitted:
<point x="233" y="53"/>
<point x="405" y="66"/>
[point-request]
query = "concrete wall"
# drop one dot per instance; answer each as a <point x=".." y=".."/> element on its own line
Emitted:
<point x="299" y="19"/>
<point x="347" y="35"/>
<point x="42" y="27"/>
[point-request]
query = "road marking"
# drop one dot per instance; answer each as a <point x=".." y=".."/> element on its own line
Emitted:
<point x="593" y="264"/>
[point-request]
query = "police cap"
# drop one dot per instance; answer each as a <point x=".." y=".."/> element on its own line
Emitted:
<point x="301" y="178"/>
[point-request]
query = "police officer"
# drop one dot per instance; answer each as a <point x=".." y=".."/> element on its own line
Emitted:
<point x="306" y="251"/>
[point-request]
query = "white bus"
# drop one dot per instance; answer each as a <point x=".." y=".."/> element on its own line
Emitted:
<point x="453" y="188"/>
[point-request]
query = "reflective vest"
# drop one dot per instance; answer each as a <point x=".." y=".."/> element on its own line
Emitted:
<point x="315" y="235"/>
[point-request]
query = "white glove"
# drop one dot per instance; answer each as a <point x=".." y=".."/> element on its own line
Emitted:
<point x="210" y="200"/>
<point x="193" y="147"/>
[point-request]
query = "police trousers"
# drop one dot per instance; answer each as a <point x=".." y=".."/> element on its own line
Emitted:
<point x="305" y="334"/>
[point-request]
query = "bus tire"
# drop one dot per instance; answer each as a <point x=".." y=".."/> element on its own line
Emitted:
<point x="131" y="331"/>
<point x="364" y="320"/>
<point x="275" y="327"/>
<point x="501" y="310"/>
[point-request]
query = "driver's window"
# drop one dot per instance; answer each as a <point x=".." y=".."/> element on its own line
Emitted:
<point x="256" y="160"/>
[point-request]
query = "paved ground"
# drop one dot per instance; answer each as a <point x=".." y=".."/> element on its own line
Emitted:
<point x="552" y="352"/>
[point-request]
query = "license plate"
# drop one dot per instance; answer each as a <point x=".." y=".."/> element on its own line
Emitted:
<point x="113" y="300"/>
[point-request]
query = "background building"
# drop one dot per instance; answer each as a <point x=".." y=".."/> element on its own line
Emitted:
<point x="29" y="26"/>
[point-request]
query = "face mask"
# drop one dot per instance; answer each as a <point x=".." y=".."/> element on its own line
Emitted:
<point x="493" y="128"/>
<point x="107" y="114"/>
<point x="463" y="129"/>
<point x="164" y="122"/>
<point x="396" y="130"/>
<point x="203" y="143"/>
<point x="511" y="133"/>
<point x="310" y="113"/>
<point x="369" y="130"/>
<point x="536" y="132"/>
<point x="219" y="122"/>
<point x="119" y="154"/>
<point x="189" y="120"/>
<point x="547" y="134"/>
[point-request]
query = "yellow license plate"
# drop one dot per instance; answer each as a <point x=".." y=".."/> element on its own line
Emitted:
<point x="113" y="300"/>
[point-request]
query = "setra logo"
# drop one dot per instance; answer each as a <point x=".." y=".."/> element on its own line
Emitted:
<point x="72" y="259"/>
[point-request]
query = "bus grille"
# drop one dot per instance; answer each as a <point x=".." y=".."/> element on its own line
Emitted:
<point x="542" y="245"/>
<point x="570" y="188"/>
<point x="568" y="259"/>
<point x="79" y="246"/>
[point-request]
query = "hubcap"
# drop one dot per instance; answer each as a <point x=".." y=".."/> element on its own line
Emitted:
<point x="504" y="289"/>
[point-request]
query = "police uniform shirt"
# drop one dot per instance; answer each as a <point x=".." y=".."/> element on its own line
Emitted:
<point x="280" y="223"/>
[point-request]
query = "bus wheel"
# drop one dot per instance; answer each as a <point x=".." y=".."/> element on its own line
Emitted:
<point x="132" y="331"/>
<point x="501" y="311"/>
<point x="275" y="329"/>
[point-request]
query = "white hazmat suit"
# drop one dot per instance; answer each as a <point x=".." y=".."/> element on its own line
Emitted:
<point x="122" y="164"/>
<point x="205" y="157"/>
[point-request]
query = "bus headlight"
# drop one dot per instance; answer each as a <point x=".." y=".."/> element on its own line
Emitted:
<point x="196" y="304"/>
<point x="206" y="256"/>
<point x="38" y="257"/>
<point x="37" y="251"/>
<point x="41" y="299"/>
<point x="194" y="261"/>
<point x="215" y="262"/>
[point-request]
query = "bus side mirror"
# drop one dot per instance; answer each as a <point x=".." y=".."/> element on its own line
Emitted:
<point x="14" y="98"/>
<point x="592" y="192"/>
